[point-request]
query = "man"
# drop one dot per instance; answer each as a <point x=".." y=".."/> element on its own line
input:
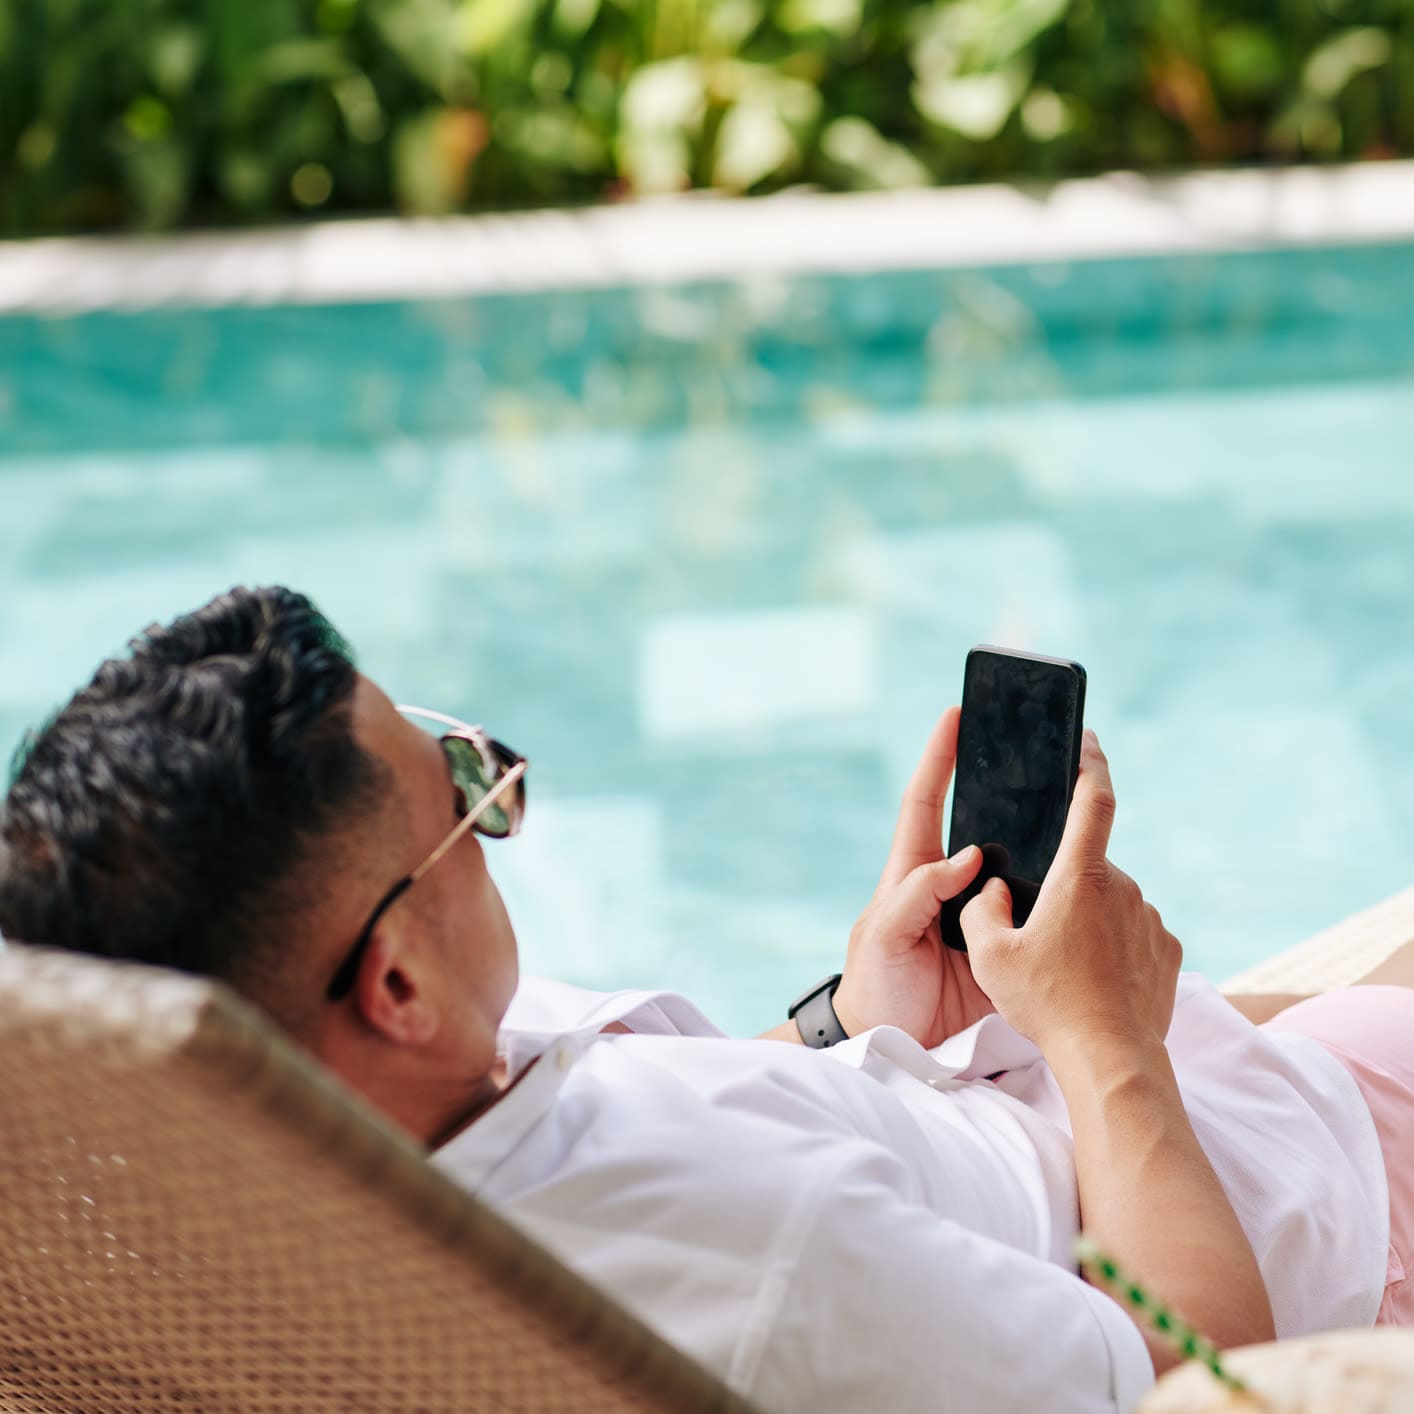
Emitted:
<point x="887" y="1222"/>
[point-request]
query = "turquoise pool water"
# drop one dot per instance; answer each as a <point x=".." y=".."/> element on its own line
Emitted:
<point x="712" y="556"/>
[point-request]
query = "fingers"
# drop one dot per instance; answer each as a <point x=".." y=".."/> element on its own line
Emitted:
<point x="918" y="836"/>
<point x="915" y="903"/>
<point x="988" y="915"/>
<point x="1092" y="812"/>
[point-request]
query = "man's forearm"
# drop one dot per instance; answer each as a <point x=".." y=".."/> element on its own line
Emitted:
<point x="1148" y="1195"/>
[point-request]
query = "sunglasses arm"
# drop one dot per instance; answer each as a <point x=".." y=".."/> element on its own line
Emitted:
<point x="470" y="818"/>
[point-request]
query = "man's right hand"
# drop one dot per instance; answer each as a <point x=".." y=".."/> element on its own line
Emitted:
<point x="1091" y="980"/>
<point x="1093" y="959"/>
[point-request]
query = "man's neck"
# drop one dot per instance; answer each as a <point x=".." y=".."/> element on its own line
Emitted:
<point x="496" y="1084"/>
<point x="428" y="1108"/>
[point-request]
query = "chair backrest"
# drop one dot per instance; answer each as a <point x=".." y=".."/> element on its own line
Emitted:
<point x="195" y="1216"/>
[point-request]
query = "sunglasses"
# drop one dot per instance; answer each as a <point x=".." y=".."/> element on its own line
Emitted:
<point x="489" y="779"/>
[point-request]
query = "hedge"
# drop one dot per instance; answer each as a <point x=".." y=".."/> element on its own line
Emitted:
<point x="154" y="114"/>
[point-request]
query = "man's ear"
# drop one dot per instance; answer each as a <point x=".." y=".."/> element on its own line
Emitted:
<point x="393" y="990"/>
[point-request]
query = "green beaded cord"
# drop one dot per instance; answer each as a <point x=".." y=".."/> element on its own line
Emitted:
<point x="1172" y="1328"/>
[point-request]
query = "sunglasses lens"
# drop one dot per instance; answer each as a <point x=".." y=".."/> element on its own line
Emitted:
<point x="469" y="774"/>
<point x="515" y="800"/>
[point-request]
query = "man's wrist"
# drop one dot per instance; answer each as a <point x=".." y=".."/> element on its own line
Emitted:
<point x="785" y="1031"/>
<point x="1084" y="1056"/>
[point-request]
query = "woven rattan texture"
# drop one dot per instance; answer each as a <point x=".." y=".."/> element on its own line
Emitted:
<point x="194" y="1218"/>
<point x="1336" y="956"/>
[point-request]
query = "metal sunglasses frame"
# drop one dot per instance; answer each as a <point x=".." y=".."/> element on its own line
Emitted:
<point x="505" y="769"/>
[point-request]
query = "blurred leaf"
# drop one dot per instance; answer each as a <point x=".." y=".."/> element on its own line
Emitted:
<point x="1247" y="60"/>
<point x="361" y="110"/>
<point x="551" y="73"/>
<point x="980" y="36"/>
<point x="573" y="17"/>
<point x="597" y="95"/>
<point x="1179" y="26"/>
<point x="794" y="100"/>
<point x="1338" y="60"/>
<point x="730" y="23"/>
<point x="555" y="137"/>
<point x="975" y="105"/>
<point x="1046" y="115"/>
<point x="484" y="24"/>
<point x="311" y="185"/>
<point x="1014" y="24"/>
<point x="1307" y="125"/>
<point x="246" y="177"/>
<point x="868" y="159"/>
<point x="654" y="160"/>
<point x="336" y="16"/>
<point x="752" y="142"/>
<point x="174" y="57"/>
<point x="834" y="16"/>
<point x="432" y="158"/>
<point x="300" y="59"/>
<point x="156" y="175"/>
<point x="665" y="96"/>
<point x="419" y="32"/>
<point x="36" y="145"/>
<point x="148" y="118"/>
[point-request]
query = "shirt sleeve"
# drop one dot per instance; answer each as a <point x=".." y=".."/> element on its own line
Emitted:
<point x="889" y="1306"/>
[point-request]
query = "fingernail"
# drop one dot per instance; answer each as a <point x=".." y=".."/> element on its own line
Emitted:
<point x="966" y="856"/>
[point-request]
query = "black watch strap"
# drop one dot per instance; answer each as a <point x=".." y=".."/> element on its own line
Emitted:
<point x="814" y="1015"/>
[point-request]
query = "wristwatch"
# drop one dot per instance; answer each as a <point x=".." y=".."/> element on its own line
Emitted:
<point x="814" y="1015"/>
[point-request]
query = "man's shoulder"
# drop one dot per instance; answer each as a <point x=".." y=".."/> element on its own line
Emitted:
<point x="545" y="1007"/>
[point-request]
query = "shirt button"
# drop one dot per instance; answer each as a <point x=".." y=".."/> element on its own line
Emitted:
<point x="563" y="1059"/>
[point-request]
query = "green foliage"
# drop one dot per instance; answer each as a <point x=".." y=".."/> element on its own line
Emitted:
<point x="150" y="114"/>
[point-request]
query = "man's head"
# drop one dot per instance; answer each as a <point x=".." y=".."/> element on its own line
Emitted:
<point x="232" y="799"/>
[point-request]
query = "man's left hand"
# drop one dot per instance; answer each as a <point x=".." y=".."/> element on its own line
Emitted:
<point x="897" y="971"/>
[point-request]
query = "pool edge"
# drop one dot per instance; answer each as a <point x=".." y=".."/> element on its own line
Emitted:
<point x="704" y="237"/>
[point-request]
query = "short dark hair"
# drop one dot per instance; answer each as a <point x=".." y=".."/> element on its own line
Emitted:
<point x="164" y="814"/>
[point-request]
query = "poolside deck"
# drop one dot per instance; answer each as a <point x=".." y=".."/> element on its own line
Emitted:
<point x="703" y="237"/>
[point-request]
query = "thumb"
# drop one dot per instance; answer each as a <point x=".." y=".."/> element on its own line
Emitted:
<point x="988" y="915"/>
<point x="916" y="900"/>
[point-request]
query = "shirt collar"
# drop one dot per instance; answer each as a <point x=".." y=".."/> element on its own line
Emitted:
<point x="540" y="1063"/>
<point x="491" y="1138"/>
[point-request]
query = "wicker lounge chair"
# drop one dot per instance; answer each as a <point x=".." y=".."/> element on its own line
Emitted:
<point x="193" y="1217"/>
<point x="196" y="1217"/>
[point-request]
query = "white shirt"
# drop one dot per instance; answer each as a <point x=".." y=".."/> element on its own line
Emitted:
<point x="877" y="1227"/>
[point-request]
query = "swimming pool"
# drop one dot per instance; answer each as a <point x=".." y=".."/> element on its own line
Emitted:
<point x="712" y="555"/>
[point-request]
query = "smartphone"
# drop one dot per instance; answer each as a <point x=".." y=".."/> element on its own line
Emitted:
<point x="1018" y="756"/>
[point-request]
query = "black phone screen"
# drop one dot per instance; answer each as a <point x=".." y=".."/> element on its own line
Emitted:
<point x="1018" y="752"/>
